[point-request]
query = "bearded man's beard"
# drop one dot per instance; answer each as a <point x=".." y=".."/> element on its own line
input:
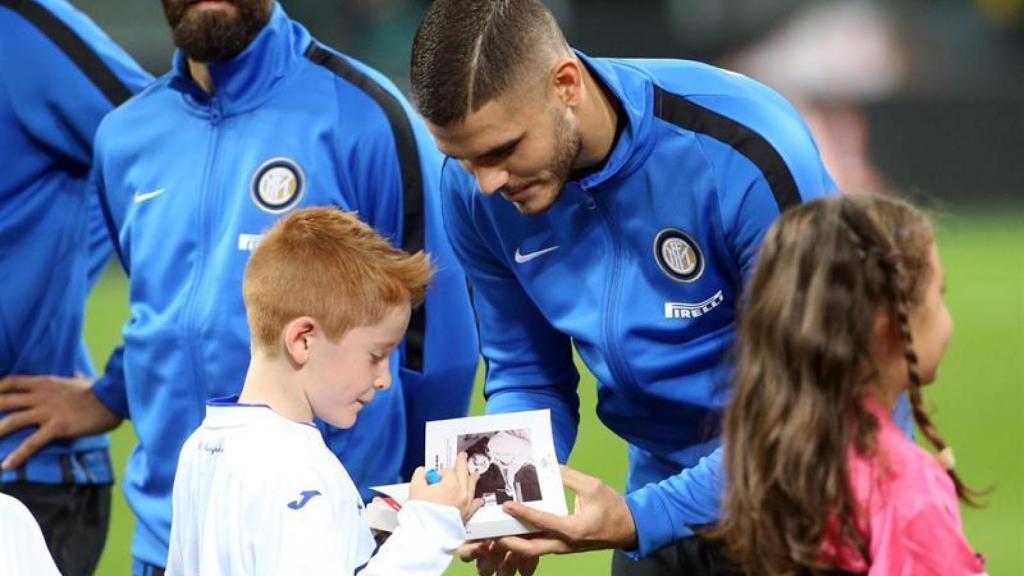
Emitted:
<point x="210" y="35"/>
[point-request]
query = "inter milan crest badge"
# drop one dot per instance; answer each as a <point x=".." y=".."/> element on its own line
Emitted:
<point x="277" y="185"/>
<point x="678" y="255"/>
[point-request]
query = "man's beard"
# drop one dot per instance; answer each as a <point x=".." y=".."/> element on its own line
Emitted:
<point x="567" y="149"/>
<point x="568" y="145"/>
<point x="212" y="35"/>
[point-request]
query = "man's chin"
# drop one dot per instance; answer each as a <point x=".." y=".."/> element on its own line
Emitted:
<point x="527" y="209"/>
<point x="536" y="203"/>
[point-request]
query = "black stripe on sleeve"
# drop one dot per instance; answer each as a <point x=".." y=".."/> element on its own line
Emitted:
<point x="74" y="47"/>
<point x="413" y="231"/>
<point x="112" y="230"/>
<point x="691" y="116"/>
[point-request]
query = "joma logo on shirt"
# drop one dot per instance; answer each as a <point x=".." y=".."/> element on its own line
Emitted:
<point x="304" y="497"/>
<point x="212" y="449"/>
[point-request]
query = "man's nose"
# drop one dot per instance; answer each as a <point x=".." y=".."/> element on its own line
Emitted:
<point x="491" y="180"/>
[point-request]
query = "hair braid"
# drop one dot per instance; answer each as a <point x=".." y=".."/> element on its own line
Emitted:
<point x="873" y="243"/>
<point x="901" y="309"/>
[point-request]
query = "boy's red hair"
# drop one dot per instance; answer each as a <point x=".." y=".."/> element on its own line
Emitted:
<point x="329" y="265"/>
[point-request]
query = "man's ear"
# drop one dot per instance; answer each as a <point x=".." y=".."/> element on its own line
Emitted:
<point x="567" y="79"/>
<point x="298" y="339"/>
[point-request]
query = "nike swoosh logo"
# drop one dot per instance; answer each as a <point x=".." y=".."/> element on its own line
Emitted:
<point x="305" y="496"/>
<point x="524" y="258"/>
<point x="142" y="197"/>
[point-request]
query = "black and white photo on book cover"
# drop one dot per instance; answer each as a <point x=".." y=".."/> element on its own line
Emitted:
<point x="504" y="461"/>
<point x="514" y="454"/>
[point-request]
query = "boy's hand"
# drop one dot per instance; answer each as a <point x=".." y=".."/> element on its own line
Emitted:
<point x="456" y="488"/>
<point x="60" y="407"/>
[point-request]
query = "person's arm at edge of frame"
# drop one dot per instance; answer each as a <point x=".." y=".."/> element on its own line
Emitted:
<point x="74" y="117"/>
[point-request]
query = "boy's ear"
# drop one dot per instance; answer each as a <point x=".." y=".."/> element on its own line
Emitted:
<point x="298" y="339"/>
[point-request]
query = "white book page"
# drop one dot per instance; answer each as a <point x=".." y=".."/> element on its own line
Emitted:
<point x="514" y="454"/>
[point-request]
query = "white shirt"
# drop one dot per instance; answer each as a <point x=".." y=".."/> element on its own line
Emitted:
<point x="22" y="548"/>
<point x="258" y="494"/>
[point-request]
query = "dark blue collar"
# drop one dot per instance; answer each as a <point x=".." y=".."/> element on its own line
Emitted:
<point x="245" y="81"/>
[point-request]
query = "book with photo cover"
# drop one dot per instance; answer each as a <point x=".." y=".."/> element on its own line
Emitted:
<point x="513" y="453"/>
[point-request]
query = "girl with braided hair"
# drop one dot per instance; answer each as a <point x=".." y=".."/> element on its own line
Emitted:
<point x="845" y="312"/>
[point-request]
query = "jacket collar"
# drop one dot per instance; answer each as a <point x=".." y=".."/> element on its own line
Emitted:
<point x="634" y="91"/>
<point x="245" y="81"/>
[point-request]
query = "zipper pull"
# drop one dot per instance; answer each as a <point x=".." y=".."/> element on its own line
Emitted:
<point x="216" y="113"/>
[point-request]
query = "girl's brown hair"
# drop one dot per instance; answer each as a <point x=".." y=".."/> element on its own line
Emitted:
<point x="804" y="364"/>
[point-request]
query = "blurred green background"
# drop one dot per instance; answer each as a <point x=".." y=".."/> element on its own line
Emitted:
<point x="978" y="400"/>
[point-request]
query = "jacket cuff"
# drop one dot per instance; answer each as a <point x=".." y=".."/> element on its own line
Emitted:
<point x="111" y="395"/>
<point x="654" y="526"/>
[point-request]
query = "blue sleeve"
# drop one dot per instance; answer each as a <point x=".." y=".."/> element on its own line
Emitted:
<point x="109" y="388"/>
<point x="64" y="75"/>
<point x="103" y="238"/>
<point x="68" y="73"/>
<point x="375" y="176"/>
<point x="100" y="249"/>
<point x="529" y="363"/>
<point x="664" y="512"/>
<point x="101" y="246"/>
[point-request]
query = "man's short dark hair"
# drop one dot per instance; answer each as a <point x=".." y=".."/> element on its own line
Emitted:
<point x="467" y="52"/>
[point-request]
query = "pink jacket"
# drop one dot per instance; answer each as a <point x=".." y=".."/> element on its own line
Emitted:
<point x="910" y="514"/>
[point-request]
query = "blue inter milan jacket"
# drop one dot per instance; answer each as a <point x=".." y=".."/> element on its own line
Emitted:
<point x="190" y="181"/>
<point x="60" y="76"/>
<point x="639" y="266"/>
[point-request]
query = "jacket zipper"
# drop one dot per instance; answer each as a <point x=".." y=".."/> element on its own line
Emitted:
<point x="206" y="202"/>
<point x="619" y="371"/>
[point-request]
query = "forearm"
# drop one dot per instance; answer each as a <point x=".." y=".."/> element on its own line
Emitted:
<point x="427" y="537"/>
<point x="664" y="512"/>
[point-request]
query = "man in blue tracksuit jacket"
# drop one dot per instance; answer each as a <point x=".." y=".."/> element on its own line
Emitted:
<point x="61" y="76"/>
<point x="254" y="120"/>
<point x="615" y="207"/>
